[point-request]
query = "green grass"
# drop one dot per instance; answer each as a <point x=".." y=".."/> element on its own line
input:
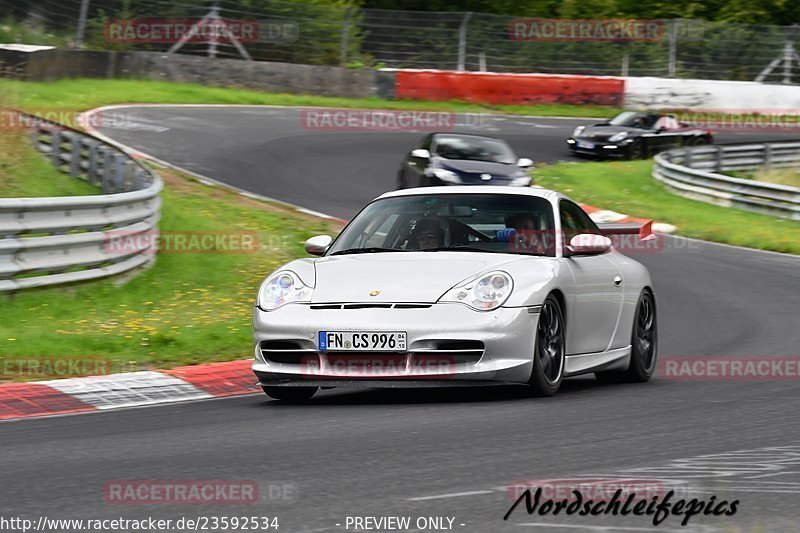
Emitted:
<point x="83" y="94"/>
<point x="24" y="172"/>
<point x="627" y="187"/>
<point x="188" y="308"/>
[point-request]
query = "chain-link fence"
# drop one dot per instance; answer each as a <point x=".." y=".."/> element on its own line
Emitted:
<point x="277" y="30"/>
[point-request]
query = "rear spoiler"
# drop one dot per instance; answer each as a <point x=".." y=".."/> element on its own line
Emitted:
<point x="643" y="229"/>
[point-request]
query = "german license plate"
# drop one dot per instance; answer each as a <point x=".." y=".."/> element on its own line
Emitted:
<point x="585" y="144"/>
<point x="362" y="341"/>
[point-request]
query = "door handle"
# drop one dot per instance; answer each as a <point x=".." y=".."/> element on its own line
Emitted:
<point x="617" y="281"/>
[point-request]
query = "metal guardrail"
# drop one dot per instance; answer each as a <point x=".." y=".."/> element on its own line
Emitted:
<point x="49" y="241"/>
<point x="695" y="172"/>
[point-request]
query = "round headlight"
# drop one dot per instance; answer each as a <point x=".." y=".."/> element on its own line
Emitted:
<point x="282" y="288"/>
<point x="446" y="175"/>
<point x="484" y="293"/>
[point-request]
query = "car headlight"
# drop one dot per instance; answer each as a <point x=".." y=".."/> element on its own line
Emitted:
<point x="282" y="288"/>
<point x="446" y="175"/>
<point x="618" y="136"/>
<point x="578" y="131"/>
<point x="484" y="293"/>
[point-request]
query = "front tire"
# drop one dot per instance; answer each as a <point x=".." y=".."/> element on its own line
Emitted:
<point x="290" y="394"/>
<point x="637" y="150"/>
<point x="644" y="345"/>
<point x="549" y="352"/>
<point x="401" y="179"/>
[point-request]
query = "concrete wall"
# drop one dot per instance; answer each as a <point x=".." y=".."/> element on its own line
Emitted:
<point x="638" y="93"/>
<point x="47" y="65"/>
<point x="651" y="93"/>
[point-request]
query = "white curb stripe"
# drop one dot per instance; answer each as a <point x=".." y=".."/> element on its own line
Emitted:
<point x="605" y="215"/>
<point x="128" y="389"/>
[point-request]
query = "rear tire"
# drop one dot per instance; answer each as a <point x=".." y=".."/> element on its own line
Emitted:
<point x="644" y="345"/>
<point x="290" y="394"/>
<point x="549" y="352"/>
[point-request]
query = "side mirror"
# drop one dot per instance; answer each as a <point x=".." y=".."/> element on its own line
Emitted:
<point x="587" y="244"/>
<point x="318" y="245"/>
<point x="524" y="162"/>
<point x="421" y="153"/>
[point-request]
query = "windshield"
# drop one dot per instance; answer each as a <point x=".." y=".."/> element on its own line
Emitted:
<point x="473" y="149"/>
<point x="444" y="222"/>
<point x="631" y="119"/>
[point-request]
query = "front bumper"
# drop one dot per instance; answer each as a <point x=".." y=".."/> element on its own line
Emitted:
<point x="442" y="339"/>
<point x="597" y="148"/>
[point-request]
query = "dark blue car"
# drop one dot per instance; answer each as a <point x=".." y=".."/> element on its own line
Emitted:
<point x="461" y="159"/>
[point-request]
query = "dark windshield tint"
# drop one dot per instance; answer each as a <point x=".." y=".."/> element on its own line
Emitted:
<point x="631" y="119"/>
<point x="467" y="222"/>
<point x="473" y="149"/>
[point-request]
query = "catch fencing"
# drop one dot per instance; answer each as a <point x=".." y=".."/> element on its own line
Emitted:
<point x="307" y="33"/>
<point x="49" y="241"/>
<point x="696" y="172"/>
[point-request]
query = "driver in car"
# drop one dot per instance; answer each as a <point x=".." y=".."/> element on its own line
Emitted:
<point x="427" y="235"/>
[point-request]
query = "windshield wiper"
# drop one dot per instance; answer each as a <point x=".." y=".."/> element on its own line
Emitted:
<point x="369" y="250"/>
<point x="475" y="249"/>
<point x="457" y="249"/>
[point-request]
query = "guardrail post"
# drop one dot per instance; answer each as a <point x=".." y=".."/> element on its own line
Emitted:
<point x="55" y="147"/>
<point x="119" y="172"/>
<point x="108" y="165"/>
<point x="718" y="165"/>
<point x="767" y="155"/>
<point x="75" y="157"/>
<point x="92" y="172"/>
<point x="687" y="159"/>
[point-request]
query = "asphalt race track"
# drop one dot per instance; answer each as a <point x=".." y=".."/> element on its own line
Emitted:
<point x="446" y="453"/>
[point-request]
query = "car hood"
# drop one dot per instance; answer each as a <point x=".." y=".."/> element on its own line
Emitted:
<point x="603" y="133"/>
<point x="420" y="277"/>
<point x="473" y="169"/>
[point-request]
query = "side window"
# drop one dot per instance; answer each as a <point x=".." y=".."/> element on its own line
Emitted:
<point x="427" y="142"/>
<point x="574" y="220"/>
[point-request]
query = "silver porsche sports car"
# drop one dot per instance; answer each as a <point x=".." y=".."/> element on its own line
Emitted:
<point x="447" y="286"/>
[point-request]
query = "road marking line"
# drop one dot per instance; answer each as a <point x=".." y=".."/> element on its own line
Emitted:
<point x="772" y="474"/>
<point x="451" y="495"/>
